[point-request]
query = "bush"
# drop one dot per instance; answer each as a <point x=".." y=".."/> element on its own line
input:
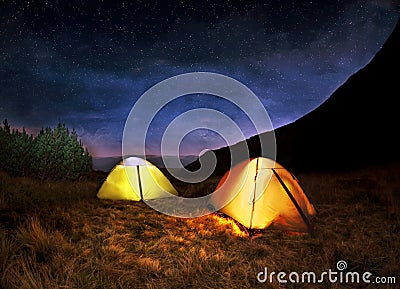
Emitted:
<point x="53" y="154"/>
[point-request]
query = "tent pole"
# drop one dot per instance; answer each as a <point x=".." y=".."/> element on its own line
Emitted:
<point x="254" y="195"/>
<point x="140" y="183"/>
<point x="305" y="219"/>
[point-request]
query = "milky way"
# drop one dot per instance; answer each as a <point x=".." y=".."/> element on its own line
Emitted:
<point x="86" y="65"/>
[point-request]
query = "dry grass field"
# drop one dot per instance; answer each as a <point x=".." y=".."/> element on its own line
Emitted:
<point x="59" y="235"/>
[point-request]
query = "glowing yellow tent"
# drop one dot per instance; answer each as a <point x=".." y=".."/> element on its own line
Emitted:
<point x="260" y="193"/>
<point x="135" y="179"/>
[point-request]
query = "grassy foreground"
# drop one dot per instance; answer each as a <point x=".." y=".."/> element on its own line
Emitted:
<point x="59" y="235"/>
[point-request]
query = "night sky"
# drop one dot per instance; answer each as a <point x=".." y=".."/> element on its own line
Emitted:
<point x="86" y="64"/>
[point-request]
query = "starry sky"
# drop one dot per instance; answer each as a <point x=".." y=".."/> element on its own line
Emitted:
<point x="86" y="63"/>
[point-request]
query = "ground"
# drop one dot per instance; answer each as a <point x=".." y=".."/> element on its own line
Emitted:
<point x="59" y="235"/>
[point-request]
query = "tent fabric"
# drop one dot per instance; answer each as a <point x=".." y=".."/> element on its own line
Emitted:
<point x="260" y="193"/>
<point x="133" y="176"/>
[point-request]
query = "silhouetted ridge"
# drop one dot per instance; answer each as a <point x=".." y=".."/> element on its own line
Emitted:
<point x="356" y="126"/>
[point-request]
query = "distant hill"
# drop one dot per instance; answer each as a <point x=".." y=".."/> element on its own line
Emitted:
<point x="157" y="160"/>
<point x="357" y="125"/>
<point x="105" y="164"/>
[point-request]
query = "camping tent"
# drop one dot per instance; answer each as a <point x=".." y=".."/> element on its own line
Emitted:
<point x="135" y="179"/>
<point x="260" y="193"/>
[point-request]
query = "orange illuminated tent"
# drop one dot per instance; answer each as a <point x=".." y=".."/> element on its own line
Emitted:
<point x="260" y="193"/>
<point x="136" y="179"/>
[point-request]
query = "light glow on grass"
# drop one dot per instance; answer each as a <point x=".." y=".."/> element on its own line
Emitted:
<point x="228" y="222"/>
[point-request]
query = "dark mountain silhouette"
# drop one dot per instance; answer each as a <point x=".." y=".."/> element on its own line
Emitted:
<point x="356" y="126"/>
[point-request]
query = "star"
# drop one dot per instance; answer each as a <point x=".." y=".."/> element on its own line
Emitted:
<point x="87" y="63"/>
